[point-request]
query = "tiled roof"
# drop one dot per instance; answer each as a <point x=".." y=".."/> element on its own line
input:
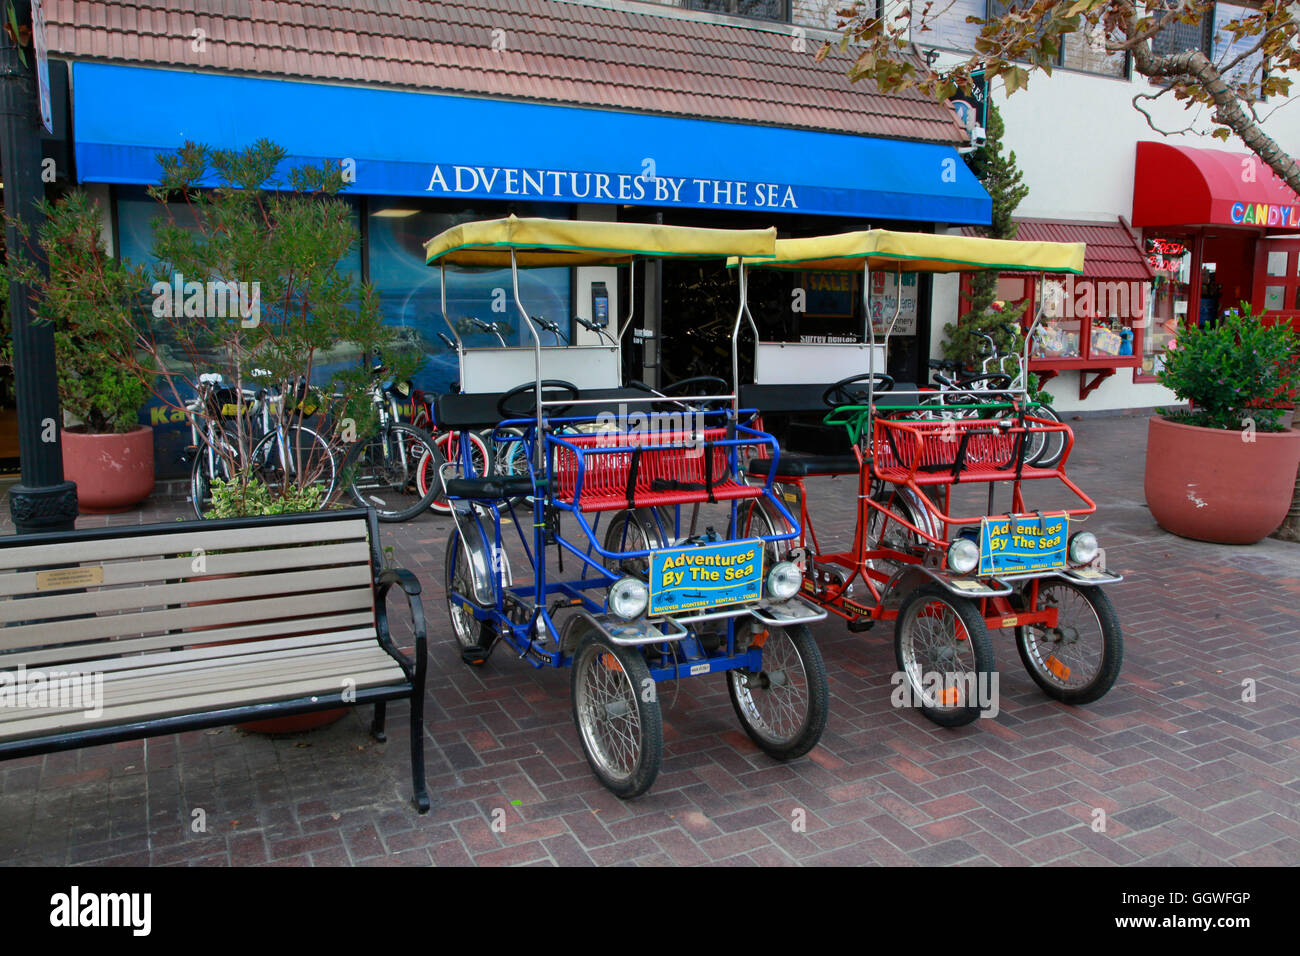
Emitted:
<point x="1113" y="252"/>
<point x="534" y="50"/>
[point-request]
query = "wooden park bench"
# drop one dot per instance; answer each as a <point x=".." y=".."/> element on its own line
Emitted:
<point x="131" y="632"/>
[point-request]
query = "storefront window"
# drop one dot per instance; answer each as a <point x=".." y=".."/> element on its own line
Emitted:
<point x="1059" y="335"/>
<point x="409" y="290"/>
<point x="1171" y="258"/>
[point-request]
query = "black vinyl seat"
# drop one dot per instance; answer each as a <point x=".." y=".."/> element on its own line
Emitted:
<point x="491" y="488"/>
<point x="794" y="464"/>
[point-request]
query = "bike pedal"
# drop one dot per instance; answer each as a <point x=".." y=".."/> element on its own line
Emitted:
<point x="474" y="655"/>
<point x="861" y="624"/>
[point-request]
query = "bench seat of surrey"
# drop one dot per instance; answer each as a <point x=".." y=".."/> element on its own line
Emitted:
<point x="136" y="631"/>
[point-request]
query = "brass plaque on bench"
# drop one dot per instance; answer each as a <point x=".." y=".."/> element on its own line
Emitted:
<point x="69" y="578"/>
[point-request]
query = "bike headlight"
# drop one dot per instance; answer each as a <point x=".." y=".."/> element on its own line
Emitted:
<point x="963" y="556"/>
<point x="784" y="581"/>
<point x="1083" y="547"/>
<point x="628" y="598"/>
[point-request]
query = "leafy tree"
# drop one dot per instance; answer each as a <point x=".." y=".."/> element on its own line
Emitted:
<point x="90" y="299"/>
<point x="1002" y="181"/>
<point x="1027" y="38"/>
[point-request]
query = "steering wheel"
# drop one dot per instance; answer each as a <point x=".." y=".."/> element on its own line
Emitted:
<point x="996" y="381"/>
<point x="842" y="392"/>
<point x="695" y="386"/>
<point x="507" y="410"/>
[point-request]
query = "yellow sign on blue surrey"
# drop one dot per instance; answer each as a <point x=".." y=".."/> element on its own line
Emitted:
<point x="705" y="577"/>
<point x="1021" y="544"/>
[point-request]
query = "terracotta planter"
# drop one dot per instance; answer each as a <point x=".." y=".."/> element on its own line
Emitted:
<point x="1212" y="485"/>
<point x="113" y="472"/>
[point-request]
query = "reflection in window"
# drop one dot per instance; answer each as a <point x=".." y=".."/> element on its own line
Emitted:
<point x="409" y="291"/>
<point x="946" y="25"/>
<point x="1250" y="70"/>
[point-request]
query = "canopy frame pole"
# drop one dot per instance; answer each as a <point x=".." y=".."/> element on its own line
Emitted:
<point x="741" y="313"/>
<point x="538" y="452"/>
<point x="1040" y="285"/>
<point x="870" y="331"/>
<point x="442" y="294"/>
<point x="631" y="303"/>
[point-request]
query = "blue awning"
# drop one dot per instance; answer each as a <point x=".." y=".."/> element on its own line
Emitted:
<point x="397" y="143"/>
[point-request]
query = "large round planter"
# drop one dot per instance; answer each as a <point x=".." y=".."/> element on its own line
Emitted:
<point x="113" y="472"/>
<point x="1218" y="485"/>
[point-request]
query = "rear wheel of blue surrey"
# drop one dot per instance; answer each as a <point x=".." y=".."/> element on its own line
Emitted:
<point x="783" y="706"/>
<point x="616" y="711"/>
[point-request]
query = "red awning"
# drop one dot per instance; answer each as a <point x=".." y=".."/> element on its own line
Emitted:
<point x="1113" y="251"/>
<point x="1187" y="186"/>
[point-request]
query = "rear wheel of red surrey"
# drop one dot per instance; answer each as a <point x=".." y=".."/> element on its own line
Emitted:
<point x="1077" y="661"/>
<point x="783" y="706"/>
<point x="945" y="655"/>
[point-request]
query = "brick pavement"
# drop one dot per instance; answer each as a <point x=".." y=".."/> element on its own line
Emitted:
<point x="1185" y="772"/>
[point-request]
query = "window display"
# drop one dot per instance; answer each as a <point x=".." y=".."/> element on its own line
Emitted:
<point x="1171" y="293"/>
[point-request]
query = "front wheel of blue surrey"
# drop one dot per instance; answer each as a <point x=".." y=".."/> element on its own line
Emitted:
<point x="783" y="705"/>
<point x="616" y="710"/>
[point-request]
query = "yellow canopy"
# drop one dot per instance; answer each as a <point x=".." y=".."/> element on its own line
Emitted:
<point x="921" y="252"/>
<point x="566" y="242"/>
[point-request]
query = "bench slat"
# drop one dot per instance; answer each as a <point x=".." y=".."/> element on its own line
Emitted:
<point x="184" y="618"/>
<point x="152" y="545"/>
<point x="108" y="649"/>
<point x="209" y="588"/>
<point x="200" y="703"/>
<point x="167" y="681"/>
<point x="172" y="569"/>
<point x="199" y="652"/>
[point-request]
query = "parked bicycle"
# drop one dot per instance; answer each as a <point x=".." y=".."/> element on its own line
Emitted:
<point x="396" y="468"/>
<point x="224" y="419"/>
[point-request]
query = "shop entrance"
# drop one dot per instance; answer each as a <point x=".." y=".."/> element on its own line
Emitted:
<point x="1277" y="278"/>
<point x="699" y="302"/>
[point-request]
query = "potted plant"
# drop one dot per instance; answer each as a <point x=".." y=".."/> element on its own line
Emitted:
<point x="1224" y="469"/>
<point x="90" y="299"/>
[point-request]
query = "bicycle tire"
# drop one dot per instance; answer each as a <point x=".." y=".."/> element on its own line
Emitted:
<point x="266" y="453"/>
<point x="373" y="460"/>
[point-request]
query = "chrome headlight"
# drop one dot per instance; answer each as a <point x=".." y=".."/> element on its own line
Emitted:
<point x="628" y="598"/>
<point x="1083" y="547"/>
<point x="963" y="556"/>
<point x="784" y="581"/>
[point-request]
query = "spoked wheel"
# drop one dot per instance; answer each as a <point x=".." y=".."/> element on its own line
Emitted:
<point x="386" y="471"/>
<point x="632" y="531"/>
<point x="1077" y="661"/>
<point x="201" y="478"/>
<point x="783" y="707"/>
<point x="886" y="531"/>
<point x="944" y="653"/>
<point x="1045" y="448"/>
<point x="450" y="445"/>
<point x="617" y="715"/>
<point x="299" y="456"/>
<point x="475" y="637"/>
<point x="756" y="521"/>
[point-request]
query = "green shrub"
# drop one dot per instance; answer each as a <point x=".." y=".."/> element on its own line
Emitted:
<point x="1234" y="371"/>
<point x="251" y="497"/>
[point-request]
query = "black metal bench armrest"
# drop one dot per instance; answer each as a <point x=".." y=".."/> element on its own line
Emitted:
<point x="390" y="576"/>
<point x="410" y="584"/>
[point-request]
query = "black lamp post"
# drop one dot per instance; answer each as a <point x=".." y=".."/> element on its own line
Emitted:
<point x="42" y="501"/>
